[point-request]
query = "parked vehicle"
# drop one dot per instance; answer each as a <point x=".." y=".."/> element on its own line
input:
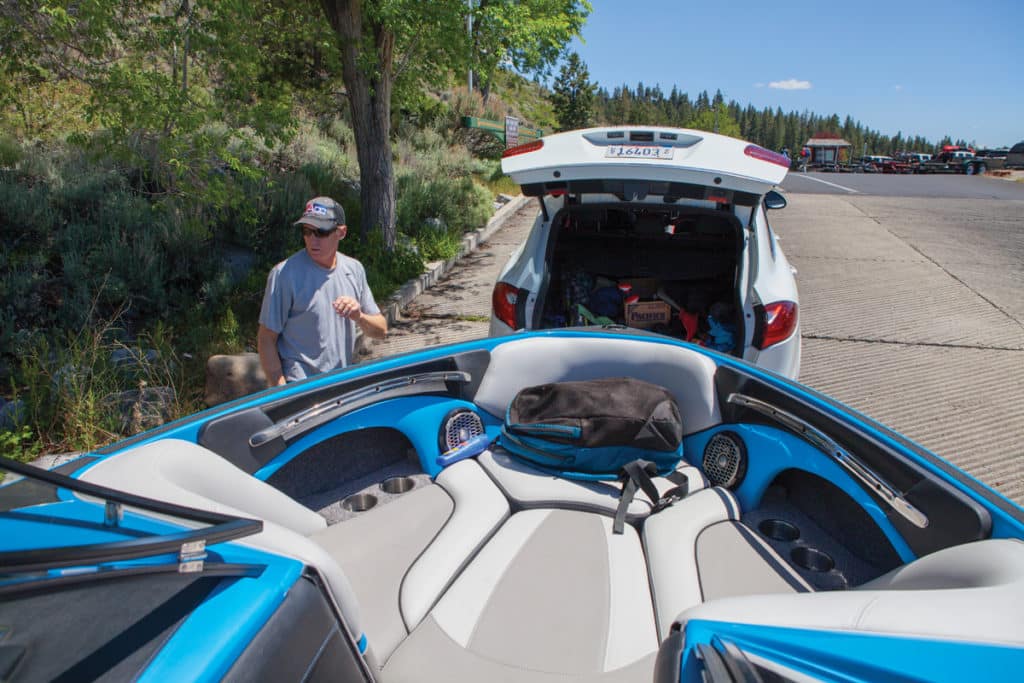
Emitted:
<point x="987" y="160"/>
<point x="873" y="163"/>
<point x="952" y="159"/>
<point x="1015" y="157"/>
<point x="660" y="228"/>
<point x="368" y="524"/>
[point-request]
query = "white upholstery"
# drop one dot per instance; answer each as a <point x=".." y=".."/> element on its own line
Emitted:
<point x="527" y="362"/>
<point x="479" y="509"/>
<point x="971" y="592"/>
<point x="529" y="487"/>
<point x="187" y="474"/>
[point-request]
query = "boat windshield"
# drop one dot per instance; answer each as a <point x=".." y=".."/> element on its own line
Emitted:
<point x="41" y="544"/>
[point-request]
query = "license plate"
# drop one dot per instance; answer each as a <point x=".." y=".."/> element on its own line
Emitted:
<point x="639" y="152"/>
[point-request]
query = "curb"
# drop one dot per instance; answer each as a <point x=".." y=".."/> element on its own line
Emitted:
<point x="435" y="270"/>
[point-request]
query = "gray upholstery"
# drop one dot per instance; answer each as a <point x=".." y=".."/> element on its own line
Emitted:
<point x="553" y="592"/>
<point x="375" y="550"/>
<point x="431" y="655"/>
<point x="529" y="487"/>
<point x="479" y="510"/>
<point x="696" y="550"/>
<point x="539" y="360"/>
<point x="185" y="473"/>
<point x="971" y="592"/>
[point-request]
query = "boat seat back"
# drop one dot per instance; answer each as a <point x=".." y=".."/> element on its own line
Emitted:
<point x="185" y="473"/>
<point x="957" y="593"/>
<point x="518" y="364"/>
<point x="188" y="474"/>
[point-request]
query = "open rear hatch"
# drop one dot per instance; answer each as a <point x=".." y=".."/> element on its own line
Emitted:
<point x="672" y="163"/>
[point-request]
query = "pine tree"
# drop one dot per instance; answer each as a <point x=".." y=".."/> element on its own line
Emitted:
<point x="573" y="96"/>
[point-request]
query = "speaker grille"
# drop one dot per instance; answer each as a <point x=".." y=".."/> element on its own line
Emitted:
<point x="725" y="459"/>
<point x="459" y="426"/>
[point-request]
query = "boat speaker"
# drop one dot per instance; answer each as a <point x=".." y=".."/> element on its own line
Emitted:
<point x="725" y="460"/>
<point x="459" y="426"/>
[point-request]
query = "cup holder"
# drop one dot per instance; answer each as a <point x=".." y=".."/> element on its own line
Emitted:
<point x="779" y="530"/>
<point x="397" y="484"/>
<point x="812" y="559"/>
<point x="359" y="502"/>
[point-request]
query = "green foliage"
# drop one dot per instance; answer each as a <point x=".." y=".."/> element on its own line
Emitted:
<point x="437" y="211"/>
<point x="573" y="95"/>
<point x="717" y="120"/>
<point x="19" y="444"/>
<point x="770" y="128"/>
<point x="73" y="388"/>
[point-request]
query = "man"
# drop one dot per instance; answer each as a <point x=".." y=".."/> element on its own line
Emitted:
<point x="313" y="302"/>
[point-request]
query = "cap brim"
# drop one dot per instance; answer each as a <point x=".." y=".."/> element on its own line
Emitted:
<point x="323" y="224"/>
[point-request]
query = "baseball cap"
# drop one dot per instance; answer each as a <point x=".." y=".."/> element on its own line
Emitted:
<point x="322" y="213"/>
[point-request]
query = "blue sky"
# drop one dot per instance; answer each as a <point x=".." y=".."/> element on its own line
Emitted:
<point x="912" y="66"/>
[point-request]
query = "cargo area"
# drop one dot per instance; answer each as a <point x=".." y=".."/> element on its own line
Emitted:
<point x="672" y="271"/>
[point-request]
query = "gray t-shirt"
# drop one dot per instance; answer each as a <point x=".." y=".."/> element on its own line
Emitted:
<point x="312" y="337"/>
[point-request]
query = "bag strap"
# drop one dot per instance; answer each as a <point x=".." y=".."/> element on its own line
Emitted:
<point x="638" y="474"/>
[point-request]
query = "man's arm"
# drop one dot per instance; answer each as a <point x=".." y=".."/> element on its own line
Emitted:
<point x="374" y="326"/>
<point x="266" y="343"/>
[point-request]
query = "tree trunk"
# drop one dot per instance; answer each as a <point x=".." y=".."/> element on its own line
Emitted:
<point x="369" y="96"/>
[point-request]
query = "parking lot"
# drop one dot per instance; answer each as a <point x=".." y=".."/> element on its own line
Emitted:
<point x="911" y="307"/>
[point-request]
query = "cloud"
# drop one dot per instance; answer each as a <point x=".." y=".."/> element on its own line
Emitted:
<point x="791" y="84"/>
<point x="897" y="88"/>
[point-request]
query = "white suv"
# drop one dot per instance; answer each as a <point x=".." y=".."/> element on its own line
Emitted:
<point x="659" y="228"/>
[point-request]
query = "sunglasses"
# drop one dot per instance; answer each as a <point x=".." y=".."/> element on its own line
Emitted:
<point x="312" y="232"/>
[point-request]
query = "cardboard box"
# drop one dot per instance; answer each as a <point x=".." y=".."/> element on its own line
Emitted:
<point x="648" y="314"/>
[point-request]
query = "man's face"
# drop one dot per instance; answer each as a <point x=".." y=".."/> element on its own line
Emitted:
<point x="322" y="247"/>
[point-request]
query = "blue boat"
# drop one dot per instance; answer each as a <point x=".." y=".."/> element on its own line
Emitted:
<point x="366" y="525"/>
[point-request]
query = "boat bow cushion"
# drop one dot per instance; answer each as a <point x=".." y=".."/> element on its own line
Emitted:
<point x="958" y="593"/>
<point x="539" y="360"/>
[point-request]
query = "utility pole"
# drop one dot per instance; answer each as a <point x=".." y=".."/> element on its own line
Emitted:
<point x="469" y="29"/>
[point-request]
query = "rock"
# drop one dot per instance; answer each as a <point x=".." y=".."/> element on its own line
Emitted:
<point x="12" y="414"/>
<point x="143" y="408"/>
<point x="133" y="357"/>
<point x="230" y="377"/>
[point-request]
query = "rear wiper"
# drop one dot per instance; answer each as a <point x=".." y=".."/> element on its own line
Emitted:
<point x="851" y="463"/>
<point x="190" y="545"/>
<point x="316" y="415"/>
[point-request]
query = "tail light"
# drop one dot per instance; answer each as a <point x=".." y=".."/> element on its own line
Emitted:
<point x="767" y="155"/>
<point x="522" y="149"/>
<point x="505" y="301"/>
<point x="775" y="323"/>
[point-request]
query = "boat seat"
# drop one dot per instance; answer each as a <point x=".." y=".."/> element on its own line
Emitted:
<point x="957" y="593"/>
<point x="400" y="557"/>
<point x="518" y="364"/>
<point x="555" y="595"/>
<point x="527" y="487"/>
<point x="697" y="550"/>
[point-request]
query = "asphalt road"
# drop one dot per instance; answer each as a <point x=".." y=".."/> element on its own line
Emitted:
<point x="911" y="307"/>
<point x="888" y="185"/>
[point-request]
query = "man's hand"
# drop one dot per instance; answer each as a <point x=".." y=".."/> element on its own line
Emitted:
<point x="347" y="307"/>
